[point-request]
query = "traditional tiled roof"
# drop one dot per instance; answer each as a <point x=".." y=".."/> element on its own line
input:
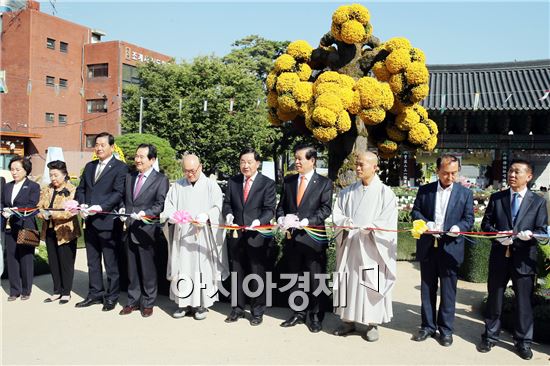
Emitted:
<point x="490" y="87"/>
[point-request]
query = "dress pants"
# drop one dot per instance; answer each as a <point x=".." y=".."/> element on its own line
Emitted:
<point x="523" y="285"/>
<point x="142" y="275"/>
<point x="20" y="261"/>
<point x="246" y="259"/>
<point x="98" y="243"/>
<point x="431" y="270"/>
<point x="61" y="259"/>
<point x="306" y="261"/>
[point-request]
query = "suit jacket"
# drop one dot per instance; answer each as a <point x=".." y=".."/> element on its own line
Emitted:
<point x="150" y="199"/>
<point x="532" y="216"/>
<point x="28" y="197"/>
<point x="460" y="212"/>
<point x="107" y="192"/>
<point x="65" y="224"/>
<point x="316" y="205"/>
<point x="259" y="205"/>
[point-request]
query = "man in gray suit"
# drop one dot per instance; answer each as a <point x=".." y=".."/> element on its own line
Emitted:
<point x="145" y="193"/>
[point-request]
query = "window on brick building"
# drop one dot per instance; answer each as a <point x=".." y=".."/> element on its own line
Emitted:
<point x="97" y="105"/>
<point x="50" y="81"/>
<point x="90" y="141"/>
<point x="50" y="43"/>
<point x="63" y="83"/>
<point x="49" y="117"/>
<point x="62" y="119"/>
<point x="98" y="71"/>
<point x="63" y="47"/>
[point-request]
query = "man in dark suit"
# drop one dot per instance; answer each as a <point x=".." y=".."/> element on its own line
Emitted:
<point x="145" y="194"/>
<point x="519" y="211"/>
<point x="101" y="189"/>
<point x="448" y="207"/>
<point x="308" y="196"/>
<point x="249" y="201"/>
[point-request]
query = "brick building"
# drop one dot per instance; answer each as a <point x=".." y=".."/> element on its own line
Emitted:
<point x="63" y="85"/>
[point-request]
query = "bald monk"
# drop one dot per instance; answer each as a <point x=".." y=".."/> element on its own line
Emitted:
<point x="195" y="260"/>
<point x="365" y="258"/>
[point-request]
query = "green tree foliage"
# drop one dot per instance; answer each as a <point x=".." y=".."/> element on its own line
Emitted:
<point x="167" y="156"/>
<point x="174" y="98"/>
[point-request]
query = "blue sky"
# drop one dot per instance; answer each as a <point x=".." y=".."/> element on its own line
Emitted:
<point x="448" y="32"/>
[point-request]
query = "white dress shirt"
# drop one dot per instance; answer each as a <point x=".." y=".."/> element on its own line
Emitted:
<point x="16" y="189"/>
<point x="441" y="202"/>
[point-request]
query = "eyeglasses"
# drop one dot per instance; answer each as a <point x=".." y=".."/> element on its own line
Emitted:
<point x="192" y="171"/>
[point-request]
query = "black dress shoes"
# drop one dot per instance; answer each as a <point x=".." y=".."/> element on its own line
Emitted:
<point x="422" y="335"/>
<point x="485" y="346"/>
<point x="344" y="329"/>
<point x="292" y="321"/>
<point x="88" y="302"/>
<point x="234" y="316"/>
<point x="524" y="352"/>
<point x="446" y="341"/>
<point x="256" y="320"/>
<point x="108" y="305"/>
<point x="315" y="326"/>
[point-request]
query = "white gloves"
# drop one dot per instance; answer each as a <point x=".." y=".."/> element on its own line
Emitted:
<point x="83" y="211"/>
<point x="255" y="223"/>
<point x="505" y="241"/>
<point x="138" y="216"/>
<point x="229" y="219"/>
<point x="46" y="214"/>
<point x="94" y="209"/>
<point x="7" y="212"/>
<point x="303" y="223"/>
<point x="280" y="220"/>
<point x="525" y="235"/>
<point x="433" y="227"/>
<point x="122" y="210"/>
<point x="201" y="218"/>
<point x="171" y="220"/>
<point x="453" y="231"/>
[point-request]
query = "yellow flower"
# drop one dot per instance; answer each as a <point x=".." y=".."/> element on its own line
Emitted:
<point x="355" y="106"/>
<point x="396" y="83"/>
<point x="284" y="63"/>
<point x="300" y="50"/>
<point x="419" y="133"/>
<point x="302" y="91"/>
<point x="417" y="73"/>
<point x="324" y="88"/>
<point x="396" y="134"/>
<point x="272" y="99"/>
<point x="286" y="116"/>
<point x="341" y="15"/>
<point x="432" y="126"/>
<point x="419" y="227"/>
<point x="286" y="82"/>
<point x="398" y="60"/>
<point x="310" y="123"/>
<point x="372" y="116"/>
<point x="324" y="134"/>
<point x="346" y="81"/>
<point x="271" y="80"/>
<point x="419" y="92"/>
<point x="304" y="72"/>
<point x="380" y="71"/>
<point x="324" y="116"/>
<point x="407" y="119"/>
<point x="388" y="146"/>
<point x="328" y="77"/>
<point x="418" y="55"/>
<point x="353" y="32"/>
<point x="303" y="109"/>
<point x="286" y="103"/>
<point x="117" y="151"/>
<point x="371" y="99"/>
<point x="366" y="85"/>
<point x="359" y="13"/>
<point x="430" y="144"/>
<point x="331" y="101"/>
<point x="343" y="123"/>
<point x="421" y="111"/>
<point x="396" y="43"/>
<point x="346" y="95"/>
<point x="335" y="31"/>
<point x="386" y="96"/>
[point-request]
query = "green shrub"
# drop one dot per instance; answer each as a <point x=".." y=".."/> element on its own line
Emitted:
<point x="166" y="154"/>
<point x="544" y="265"/>
<point x="406" y="244"/>
<point x="476" y="260"/>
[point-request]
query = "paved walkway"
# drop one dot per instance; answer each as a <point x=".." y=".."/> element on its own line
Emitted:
<point x="53" y="334"/>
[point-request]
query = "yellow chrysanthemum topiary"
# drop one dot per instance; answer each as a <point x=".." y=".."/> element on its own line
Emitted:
<point x="398" y="60"/>
<point x="286" y="116"/>
<point x="353" y="32"/>
<point x="407" y="119"/>
<point x="397" y="84"/>
<point x="302" y="91"/>
<point x="350" y="24"/>
<point x="372" y="116"/>
<point x="396" y="43"/>
<point x="388" y="146"/>
<point x="324" y="116"/>
<point x="432" y="126"/>
<point x="300" y="50"/>
<point x="284" y="63"/>
<point x="380" y="71"/>
<point x="304" y="72"/>
<point x="340" y="15"/>
<point x="417" y="73"/>
<point x="328" y="77"/>
<point x="271" y="80"/>
<point x="422" y="112"/>
<point x="324" y="134"/>
<point x="375" y="98"/>
<point x="430" y="143"/>
<point x="419" y="134"/>
<point x="396" y="134"/>
<point x="286" y="82"/>
<point x="272" y="99"/>
<point x="417" y="55"/>
<point x="343" y="123"/>
<point x="346" y="95"/>
<point x="359" y="13"/>
<point x="286" y="103"/>
<point x="329" y="100"/>
<point x="419" y="92"/>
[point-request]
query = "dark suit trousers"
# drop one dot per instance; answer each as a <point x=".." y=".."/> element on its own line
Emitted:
<point x="431" y="270"/>
<point x="20" y="260"/>
<point x="523" y="289"/>
<point x="142" y="275"/>
<point x="61" y="259"/>
<point x="246" y="259"/>
<point x="98" y="243"/>
<point x="304" y="260"/>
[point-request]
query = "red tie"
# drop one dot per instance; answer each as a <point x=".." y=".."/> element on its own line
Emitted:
<point x="246" y="188"/>
<point x="301" y="190"/>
